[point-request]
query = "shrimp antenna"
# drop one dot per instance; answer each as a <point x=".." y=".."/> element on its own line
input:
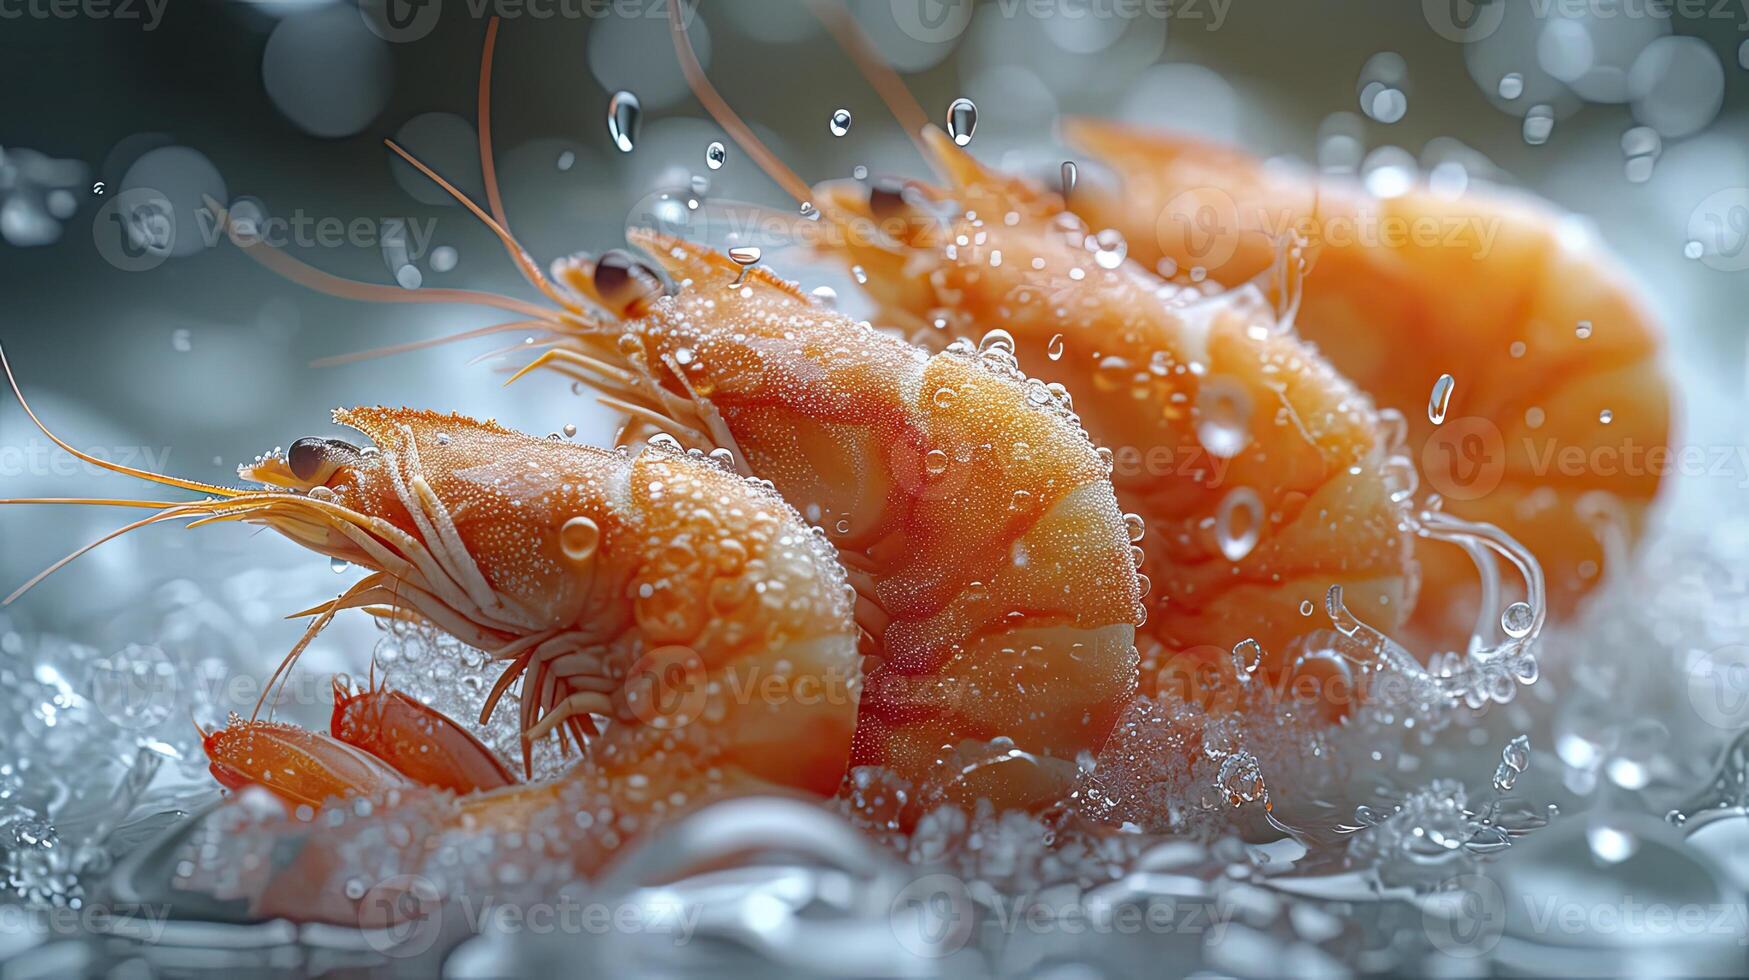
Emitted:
<point x="171" y="481"/>
<point x="726" y="117"/>
<point x="887" y="83"/>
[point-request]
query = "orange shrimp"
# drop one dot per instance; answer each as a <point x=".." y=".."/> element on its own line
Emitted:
<point x="1262" y="476"/>
<point x="993" y="569"/>
<point x="1554" y="356"/>
<point x="687" y="604"/>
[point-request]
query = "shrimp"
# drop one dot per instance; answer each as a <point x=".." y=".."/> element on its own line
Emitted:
<point x="1554" y="356"/>
<point x="1261" y="476"/>
<point x="688" y="605"/>
<point x="994" y="575"/>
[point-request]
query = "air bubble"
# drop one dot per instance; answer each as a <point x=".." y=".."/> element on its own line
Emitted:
<point x="839" y="124"/>
<point x="1238" y="523"/>
<point x="1517" y="620"/>
<point x="715" y="155"/>
<point x="1247" y="657"/>
<point x="1511" y="85"/>
<point x="1606" y="416"/>
<point x="1539" y="122"/>
<point x="1054" y="349"/>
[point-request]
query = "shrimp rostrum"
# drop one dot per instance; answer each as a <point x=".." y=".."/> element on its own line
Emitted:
<point x="687" y="607"/>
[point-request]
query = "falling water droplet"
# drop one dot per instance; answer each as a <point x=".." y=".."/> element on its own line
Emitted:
<point x="715" y="155"/>
<point x="1238" y="522"/>
<point x="1440" y="399"/>
<point x="1054" y="350"/>
<point x="1516" y="620"/>
<point x="339" y="565"/>
<point x="623" y="116"/>
<point x="839" y="124"/>
<point x="1247" y="657"/>
<point x="1070" y="174"/>
<point x="1539" y="122"/>
<point x="1606" y="416"/>
<point x="1511" y="85"/>
<point x="962" y="121"/>
<point x="570" y="430"/>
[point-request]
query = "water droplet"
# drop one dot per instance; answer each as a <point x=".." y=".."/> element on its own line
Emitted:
<point x="339" y="565"/>
<point x="181" y="341"/>
<point x="1238" y="522"/>
<point x="1606" y="416"/>
<point x="944" y="397"/>
<point x="1247" y="657"/>
<point x="1306" y="607"/>
<point x="567" y="160"/>
<point x="578" y="538"/>
<point x="715" y="155"/>
<point x="1136" y="527"/>
<point x="1054" y="349"/>
<point x="1534" y="417"/>
<point x="1583" y="330"/>
<point x="1069" y="175"/>
<point x="1109" y="249"/>
<point x="859" y="274"/>
<point x="443" y="258"/>
<point x="1517" y="619"/>
<point x="1440" y="399"/>
<point x="570" y="430"/>
<point x="1693" y="250"/>
<point x="1383" y="87"/>
<point x="745" y="255"/>
<point x="1223" y="417"/>
<point x="1539" y="122"/>
<point x="962" y="121"/>
<point x="839" y="124"/>
<point x="1517" y="753"/>
<point x="810" y="212"/>
<point x="826" y="296"/>
<point x="624" y="114"/>
<point x="935" y="462"/>
<point x="1511" y="85"/>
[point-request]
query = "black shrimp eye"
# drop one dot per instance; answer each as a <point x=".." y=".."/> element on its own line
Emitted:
<point x="623" y="282"/>
<point x="886" y="199"/>
<point x="314" y="460"/>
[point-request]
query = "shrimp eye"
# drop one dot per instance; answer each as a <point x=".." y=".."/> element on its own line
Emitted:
<point x="314" y="460"/>
<point x="624" y="283"/>
<point x="886" y="199"/>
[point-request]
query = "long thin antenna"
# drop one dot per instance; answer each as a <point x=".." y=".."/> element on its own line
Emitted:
<point x="719" y="109"/>
<point x="887" y="83"/>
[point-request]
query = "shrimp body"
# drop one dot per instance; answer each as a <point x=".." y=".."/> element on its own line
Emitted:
<point x="1554" y="356"/>
<point x="992" y="564"/>
<point x="1262" y="477"/>
<point x="689" y="606"/>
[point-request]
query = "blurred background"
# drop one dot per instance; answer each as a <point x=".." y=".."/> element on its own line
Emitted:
<point x="192" y="358"/>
